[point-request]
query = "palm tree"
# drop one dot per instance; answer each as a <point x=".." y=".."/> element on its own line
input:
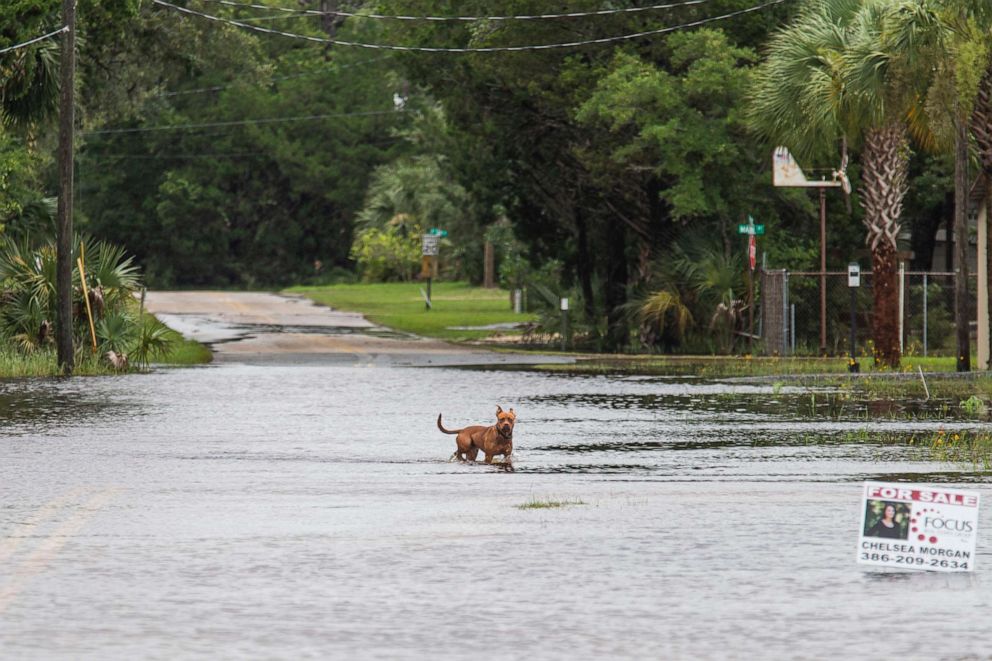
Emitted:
<point x="29" y="84"/>
<point x="826" y="78"/>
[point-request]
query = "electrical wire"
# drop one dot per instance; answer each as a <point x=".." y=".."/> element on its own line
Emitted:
<point x="577" y="14"/>
<point x="489" y="49"/>
<point x="62" y="29"/>
<point x="242" y="122"/>
<point x="217" y="88"/>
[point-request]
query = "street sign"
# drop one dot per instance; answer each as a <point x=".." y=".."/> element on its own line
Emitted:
<point x="430" y="244"/>
<point x="853" y="275"/>
<point x="438" y="232"/>
<point x="745" y="228"/>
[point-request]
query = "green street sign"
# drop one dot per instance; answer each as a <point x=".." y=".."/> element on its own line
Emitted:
<point x="757" y="230"/>
<point x="438" y="232"/>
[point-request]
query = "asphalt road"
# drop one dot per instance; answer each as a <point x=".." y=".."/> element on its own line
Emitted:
<point x="266" y="328"/>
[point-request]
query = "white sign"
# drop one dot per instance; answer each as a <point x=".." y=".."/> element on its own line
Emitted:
<point x="917" y="526"/>
<point x="853" y="275"/>
<point x="564" y="305"/>
<point x="430" y="244"/>
<point x="786" y="172"/>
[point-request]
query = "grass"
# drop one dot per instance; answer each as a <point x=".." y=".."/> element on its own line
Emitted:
<point x="739" y="366"/>
<point x="186" y="352"/>
<point x="548" y="503"/>
<point x="44" y="362"/>
<point x="964" y="446"/>
<point x="400" y="306"/>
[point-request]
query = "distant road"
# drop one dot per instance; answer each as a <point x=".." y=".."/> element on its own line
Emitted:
<point x="261" y="327"/>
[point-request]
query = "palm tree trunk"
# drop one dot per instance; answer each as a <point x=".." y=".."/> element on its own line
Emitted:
<point x="981" y="128"/>
<point x="885" y="162"/>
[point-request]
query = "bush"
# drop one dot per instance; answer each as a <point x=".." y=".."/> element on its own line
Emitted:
<point x="385" y="255"/>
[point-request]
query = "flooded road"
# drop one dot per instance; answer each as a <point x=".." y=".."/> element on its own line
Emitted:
<point x="283" y="509"/>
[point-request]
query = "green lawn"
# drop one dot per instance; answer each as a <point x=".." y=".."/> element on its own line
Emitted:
<point x="401" y="306"/>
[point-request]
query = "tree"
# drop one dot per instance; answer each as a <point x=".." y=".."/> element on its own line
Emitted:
<point x="826" y="78"/>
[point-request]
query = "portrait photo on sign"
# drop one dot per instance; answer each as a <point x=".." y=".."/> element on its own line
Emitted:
<point x="887" y="519"/>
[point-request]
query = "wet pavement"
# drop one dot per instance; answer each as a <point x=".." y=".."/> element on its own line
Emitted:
<point x="273" y="508"/>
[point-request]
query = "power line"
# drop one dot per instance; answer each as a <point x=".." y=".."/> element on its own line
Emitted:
<point x="489" y="49"/>
<point x="217" y="88"/>
<point x="577" y="14"/>
<point x="242" y="122"/>
<point x="35" y="40"/>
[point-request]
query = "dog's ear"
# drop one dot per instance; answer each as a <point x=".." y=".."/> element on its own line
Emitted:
<point x="499" y="409"/>
<point x="514" y="415"/>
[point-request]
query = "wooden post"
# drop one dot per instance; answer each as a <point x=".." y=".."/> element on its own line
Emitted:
<point x="489" y="266"/>
<point x="63" y="258"/>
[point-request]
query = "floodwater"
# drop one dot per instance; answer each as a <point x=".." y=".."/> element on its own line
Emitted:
<point x="309" y="511"/>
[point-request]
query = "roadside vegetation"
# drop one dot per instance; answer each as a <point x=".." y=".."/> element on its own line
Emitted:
<point x="616" y="176"/>
<point x="458" y="308"/>
<point x="112" y="333"/>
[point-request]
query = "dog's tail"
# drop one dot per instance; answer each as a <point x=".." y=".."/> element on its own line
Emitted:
<point x="441" y="427"/>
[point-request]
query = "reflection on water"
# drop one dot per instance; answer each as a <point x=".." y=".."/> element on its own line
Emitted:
<point x="39" y="404"/>
<point x="294" y="511"/>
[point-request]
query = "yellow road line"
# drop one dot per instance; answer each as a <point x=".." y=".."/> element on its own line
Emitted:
<point x="9" y="545"/>
<point x="36" y="562"/>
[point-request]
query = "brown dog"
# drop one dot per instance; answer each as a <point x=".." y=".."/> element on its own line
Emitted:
<point x="493" y="440"/>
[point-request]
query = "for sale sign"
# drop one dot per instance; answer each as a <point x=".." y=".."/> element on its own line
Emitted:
<point x="915" y="526"/>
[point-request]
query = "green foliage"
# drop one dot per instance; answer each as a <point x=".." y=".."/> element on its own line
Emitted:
<point x="685" y="119"/>
<point x="387" y="254"/>
<point x="28" y="293"/>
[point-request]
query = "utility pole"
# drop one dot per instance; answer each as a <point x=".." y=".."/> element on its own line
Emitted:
<point x="961" y="312"/>
<point x="66" y="151"/>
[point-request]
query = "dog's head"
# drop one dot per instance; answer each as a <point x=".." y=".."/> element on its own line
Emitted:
<point x="505" y="421"/>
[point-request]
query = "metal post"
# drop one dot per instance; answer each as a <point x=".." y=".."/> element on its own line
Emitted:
<point x="853" y="365"/>
<point x="66" y="150"/>
<point x="750" y="310"/>
<point x="427" y="303"/>
<point x="823" y="271"/>
<point x="792" y="326"/>
<point x="785" y="312"/>
<point x="564" y="324"/>
<point x="924" y="314"/>
<point x="902" y="305"/>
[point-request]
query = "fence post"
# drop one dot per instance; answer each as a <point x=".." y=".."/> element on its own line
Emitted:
<point x="792" y="327"/>
<point x="785" y="312"/>
<point x="902" y="305"/>
<point x="924" y="314"/>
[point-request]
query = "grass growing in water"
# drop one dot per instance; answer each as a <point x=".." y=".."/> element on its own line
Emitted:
<point x="964" y="446"/>
<point x="548" y="503"/>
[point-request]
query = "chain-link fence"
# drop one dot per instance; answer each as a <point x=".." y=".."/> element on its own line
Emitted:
<point x="792" y="321"/>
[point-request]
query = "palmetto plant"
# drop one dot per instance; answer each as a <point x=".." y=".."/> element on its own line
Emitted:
<point x="698" y="279"/>
<point x="28" y="299"/>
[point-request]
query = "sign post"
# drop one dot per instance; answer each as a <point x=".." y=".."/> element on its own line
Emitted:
<point x="853" y="282"/>
<point x="752" y="231"/>
<point x="787" y="173"/>
<point x="429" y="248"/>
<point x="564" y="323"/>
<point x="915" y="526"/>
